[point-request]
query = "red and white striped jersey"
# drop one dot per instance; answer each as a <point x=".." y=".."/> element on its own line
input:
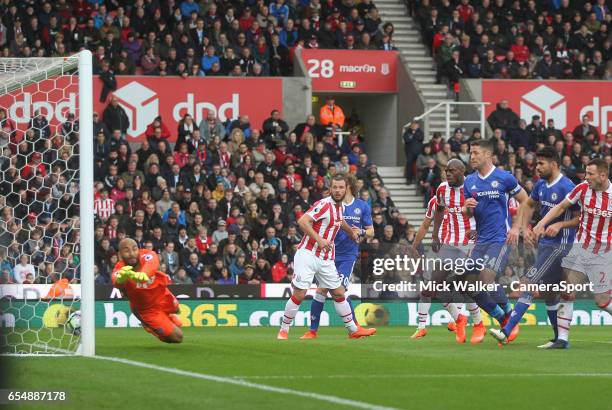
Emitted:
<point x="430" y="213"/>
<point x="452" y="199"/>
<point x="595" y="229"/>
<point x="327" y="215"/>
<point x="104" y="208"/>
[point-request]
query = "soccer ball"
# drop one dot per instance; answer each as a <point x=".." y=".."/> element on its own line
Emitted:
<point x="73" y="324"/>
<point x="372" y="314"/>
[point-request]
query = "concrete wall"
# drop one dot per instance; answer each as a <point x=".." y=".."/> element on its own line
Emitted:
<point x="410" y="104"/>
<point x="471" y="90"/>
<point x="297" y="99"/>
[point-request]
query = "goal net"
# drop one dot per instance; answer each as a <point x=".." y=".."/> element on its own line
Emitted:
<point x="46" y="206"/>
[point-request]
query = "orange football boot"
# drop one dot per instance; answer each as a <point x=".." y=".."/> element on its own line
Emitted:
<point x="311" y="334"/>
<point x="478" y="333"/>
<point x="362" y="332"/>
<point x="461" y="323"/>
<point x="419" y="334"/>
<point x="282" y="335"/>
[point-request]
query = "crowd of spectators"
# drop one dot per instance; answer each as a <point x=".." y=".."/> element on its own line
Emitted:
<point x="516" y="143"/>
<point x="517" y="39"/>
<point x="189" y="37"/>
<point x="218" y="201"/>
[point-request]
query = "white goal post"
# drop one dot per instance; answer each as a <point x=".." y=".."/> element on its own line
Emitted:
<point x="49" y="323"/>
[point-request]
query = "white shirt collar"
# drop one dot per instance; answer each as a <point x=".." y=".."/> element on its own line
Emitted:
<point x="555" y="181"/>
<point x="488" y="174"/>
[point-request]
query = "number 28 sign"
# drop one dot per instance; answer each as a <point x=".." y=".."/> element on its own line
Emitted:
<point x="351" y="70"/>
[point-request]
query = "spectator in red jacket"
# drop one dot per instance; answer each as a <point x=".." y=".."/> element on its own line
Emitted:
<point x="520" y="50"/>
<point x="34" y="167"/>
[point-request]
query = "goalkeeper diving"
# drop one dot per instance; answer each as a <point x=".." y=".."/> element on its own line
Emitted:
<point x="137" y="275"/>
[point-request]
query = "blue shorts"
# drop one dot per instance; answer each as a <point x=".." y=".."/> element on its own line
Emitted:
<point x="494" y="255"/>
<point x="547" y="267"/>
<point x="345" y="269"/>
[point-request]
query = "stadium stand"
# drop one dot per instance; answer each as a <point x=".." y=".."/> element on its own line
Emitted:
<point x="189" y="38"/>
<point x="517" y="39"/>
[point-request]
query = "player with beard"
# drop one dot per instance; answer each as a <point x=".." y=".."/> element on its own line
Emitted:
<point x="314" y="259"/>
<point x="553" y="246"/>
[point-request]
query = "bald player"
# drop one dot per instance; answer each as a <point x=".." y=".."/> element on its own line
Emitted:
<point x="146" y="288"/>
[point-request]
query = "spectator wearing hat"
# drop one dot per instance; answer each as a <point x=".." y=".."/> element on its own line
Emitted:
<point x="221" y="232"/>
<point x="248" y="276"/>
<point x="547" y="68"/>
<point x="535" y="131"/>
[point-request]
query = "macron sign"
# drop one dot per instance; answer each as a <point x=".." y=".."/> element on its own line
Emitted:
<point x="563" y="101"/>
<point x="351" y="70"/>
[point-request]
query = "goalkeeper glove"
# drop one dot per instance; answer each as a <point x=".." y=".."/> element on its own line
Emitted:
<point x="123" y="274"/>
<point x="139" y="276"/>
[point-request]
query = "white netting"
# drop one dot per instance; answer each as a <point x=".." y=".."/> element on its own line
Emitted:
<point x="39" y="205"/>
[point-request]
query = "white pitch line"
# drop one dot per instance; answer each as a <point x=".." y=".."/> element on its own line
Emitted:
<point x="423" y="376"/>
<point x="243" y="383"/>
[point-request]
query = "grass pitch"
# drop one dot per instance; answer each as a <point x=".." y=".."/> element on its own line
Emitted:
<point x="388" y="370"/>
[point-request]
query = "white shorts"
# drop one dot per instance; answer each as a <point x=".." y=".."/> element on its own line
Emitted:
<point x="307" y="267"/>
<point x="597" y="267"/>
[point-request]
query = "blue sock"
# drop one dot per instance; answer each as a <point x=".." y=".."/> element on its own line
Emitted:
<point x="499" y="295"/>
<point x="551" y="311"/>
<point x="348" y="299"/>
<point x="316" y="307"/>
<point x="484" y="300"/>
<point x="517" y="314"/>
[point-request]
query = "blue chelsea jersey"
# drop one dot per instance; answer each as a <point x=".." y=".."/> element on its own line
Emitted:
<point x="550" y="195"/>
<point x="358" y="214"/>
<point x="493" y="220"/>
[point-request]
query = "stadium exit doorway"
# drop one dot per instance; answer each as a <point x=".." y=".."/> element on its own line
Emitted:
<point x="375" y="114"/>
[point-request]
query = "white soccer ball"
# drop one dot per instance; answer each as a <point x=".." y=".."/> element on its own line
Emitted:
<point x="73" y="324"/>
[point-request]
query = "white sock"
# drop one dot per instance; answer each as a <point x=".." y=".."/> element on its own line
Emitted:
<point x="474" y="313"/>
<point x="343" y="309"/>
<point x="423" y="310"/>
<point x="607" y="307"/>
<point x="564" y="319"/>
<point x="452" y="309"/>
<point x="291" y="309"/>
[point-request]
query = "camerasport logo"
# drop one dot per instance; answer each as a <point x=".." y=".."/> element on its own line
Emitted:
<point x="564" y="102"/>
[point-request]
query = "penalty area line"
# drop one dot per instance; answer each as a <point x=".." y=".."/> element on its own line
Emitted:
<point x="247" y="384"/>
